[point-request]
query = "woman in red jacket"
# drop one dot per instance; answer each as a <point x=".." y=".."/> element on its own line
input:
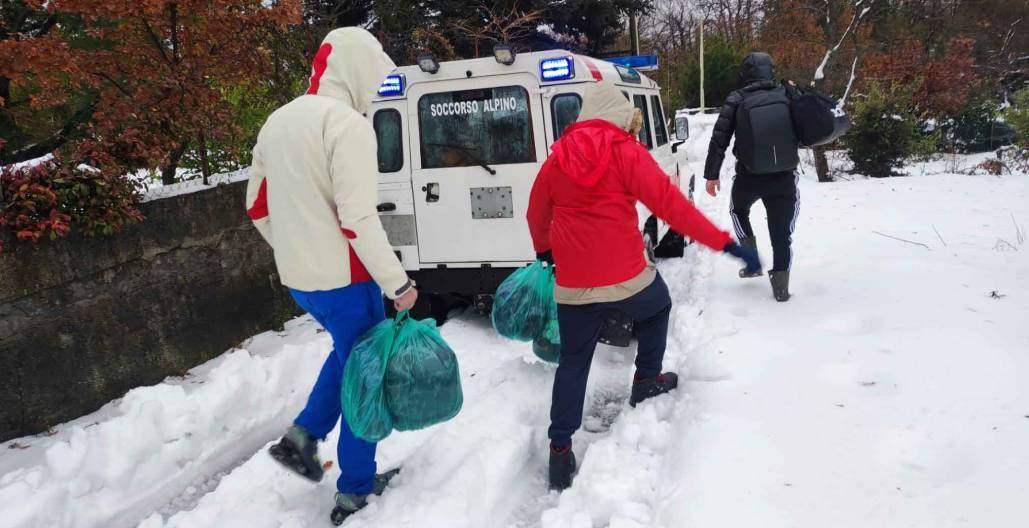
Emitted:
<point x="582" y="216"/>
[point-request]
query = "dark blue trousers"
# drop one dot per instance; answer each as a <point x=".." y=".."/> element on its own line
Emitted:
<point x="345" y="313"/>
<point x="580" y="330"/>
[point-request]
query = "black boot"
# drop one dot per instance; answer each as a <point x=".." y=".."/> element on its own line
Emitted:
<point x="298" y="452"/>
<point x="646" y="388"/>
<point x="751" y="243"/>
<point x="348" y="504"/>
<point x="780" y="284"/>
<point x="562" y="467"/>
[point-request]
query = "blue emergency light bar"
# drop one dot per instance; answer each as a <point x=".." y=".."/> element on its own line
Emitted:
<point x="557" y="69"/>
<point x="392" y="86"/>
<point x="636" y="62"/>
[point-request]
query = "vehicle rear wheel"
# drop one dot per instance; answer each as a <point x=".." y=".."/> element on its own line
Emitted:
<point x="650" y="237"/>
<point x="431" y="305"/>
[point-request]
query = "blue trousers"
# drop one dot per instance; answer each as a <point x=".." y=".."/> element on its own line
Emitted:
<point x="345" y="313"/>
<point x="580" y="328"/>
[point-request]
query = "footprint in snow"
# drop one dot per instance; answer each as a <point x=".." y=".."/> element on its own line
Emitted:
<point x="739" y="311"/>
<point x="851" y="324"/>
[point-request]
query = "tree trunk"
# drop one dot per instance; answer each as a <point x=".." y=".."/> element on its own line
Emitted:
<point x="821" y="164"/>
<point x="5" y="91"/>
<point x="68" y="132"/>
<point x="169" y="170"/>
<point x="205" y="167"/>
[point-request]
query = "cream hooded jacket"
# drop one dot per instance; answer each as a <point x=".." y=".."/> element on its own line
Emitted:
<point x="313" y="186"/>
<point x="603" y="100"/>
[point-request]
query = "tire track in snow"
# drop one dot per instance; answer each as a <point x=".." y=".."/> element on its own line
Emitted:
<point x="484" y="468"/>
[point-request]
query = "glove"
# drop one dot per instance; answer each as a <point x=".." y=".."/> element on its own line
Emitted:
<point x="747" y="255"/>
<point x="546" y="256"/>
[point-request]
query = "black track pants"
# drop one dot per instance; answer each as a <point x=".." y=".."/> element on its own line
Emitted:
<point x="781" y="198"/>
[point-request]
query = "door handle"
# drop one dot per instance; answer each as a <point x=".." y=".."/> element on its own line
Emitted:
<point x="431" y="192"/>
<point x="386" y="207"/>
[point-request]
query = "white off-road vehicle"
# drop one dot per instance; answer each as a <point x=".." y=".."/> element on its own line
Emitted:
<point x="459" y="145"/>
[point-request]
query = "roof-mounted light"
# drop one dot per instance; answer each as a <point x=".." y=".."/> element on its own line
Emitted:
<point x="427" y="63"/>
<point x="629" y="75"/>
<point x="557" y="69"/>
<point x="392" y="86"/>
<point x="504" y="54"/>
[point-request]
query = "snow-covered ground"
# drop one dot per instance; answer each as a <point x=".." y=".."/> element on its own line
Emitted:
<point x="891" y="391"/>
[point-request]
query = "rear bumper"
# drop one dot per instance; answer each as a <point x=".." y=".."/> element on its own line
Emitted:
<point x="460" y="281"/>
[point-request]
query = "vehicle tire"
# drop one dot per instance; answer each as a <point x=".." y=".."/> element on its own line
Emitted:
<point x="650" y="237"/>
<point x="423" y="308"/>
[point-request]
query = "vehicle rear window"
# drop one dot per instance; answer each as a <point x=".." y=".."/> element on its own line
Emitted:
<point x="390" y="138"/>
<point x="640" y="101"/>
<point x="466" y="128"/>
<point x="660" y="130"/>
<point x="564" y="111"/>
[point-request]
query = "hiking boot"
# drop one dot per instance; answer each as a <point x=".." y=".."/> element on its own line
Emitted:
<point x="780" y="284"/>
<point x="298" y="452"/>
<point x="348" y="504"/>
<point x="646" y="388"/>
<point x="751" y="243"/>
<point x="562" y="467"/>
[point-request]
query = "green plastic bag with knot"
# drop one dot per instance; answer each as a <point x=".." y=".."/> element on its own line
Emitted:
<point x="524" y="303"/>
<point x="400" y="375"/>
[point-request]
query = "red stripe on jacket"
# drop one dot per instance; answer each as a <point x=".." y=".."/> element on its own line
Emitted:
<point x="318" y="65"/>
<point x="259" y="209"/>
<point x="583" y="206"/>
<point x="358" y="272"/>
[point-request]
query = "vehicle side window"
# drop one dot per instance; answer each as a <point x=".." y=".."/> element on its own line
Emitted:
<point x="390" y="139"/>
<point x="640" y="101"/>
<point x="660" y="130"/>
<point x="564" y="110"/>
<point x="467" y="128"/>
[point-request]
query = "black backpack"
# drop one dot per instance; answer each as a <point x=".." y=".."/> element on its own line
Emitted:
<point x="765" y="140"/>
<point x="816" y="117"/>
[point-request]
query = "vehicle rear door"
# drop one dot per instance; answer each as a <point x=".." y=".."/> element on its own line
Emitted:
<point x="476" y="147"/>
<point x="396" y="205"/>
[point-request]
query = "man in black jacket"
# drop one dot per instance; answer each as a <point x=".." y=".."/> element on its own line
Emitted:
<point x="777" y="190"/>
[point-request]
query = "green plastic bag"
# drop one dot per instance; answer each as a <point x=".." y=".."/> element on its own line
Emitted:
<point x="400" y="375"/>
<point x="548" y="345"/>
<point x="524" y="303"/>
<point x="423" y="383"/>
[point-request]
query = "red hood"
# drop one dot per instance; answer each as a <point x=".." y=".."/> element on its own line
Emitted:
<point x="584" y="150"/>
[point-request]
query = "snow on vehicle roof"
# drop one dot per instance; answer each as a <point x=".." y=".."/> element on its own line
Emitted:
<point x="585" y="69"/>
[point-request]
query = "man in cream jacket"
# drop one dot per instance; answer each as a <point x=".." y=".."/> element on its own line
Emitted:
<point x="312" y="195"/>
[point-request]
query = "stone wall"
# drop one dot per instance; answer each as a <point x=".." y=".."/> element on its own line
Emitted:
<point x="83" y="320"/>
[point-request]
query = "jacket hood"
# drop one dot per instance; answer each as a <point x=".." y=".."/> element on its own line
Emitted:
<point x="584" y="151"/>
<point x="350" y="66"/>
<point x="603" y="100"/>
<point x="756" y="67"/>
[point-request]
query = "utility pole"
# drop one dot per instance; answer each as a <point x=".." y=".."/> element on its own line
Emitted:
<point x="634" y="32"/>
<point x="702" y="66"/>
